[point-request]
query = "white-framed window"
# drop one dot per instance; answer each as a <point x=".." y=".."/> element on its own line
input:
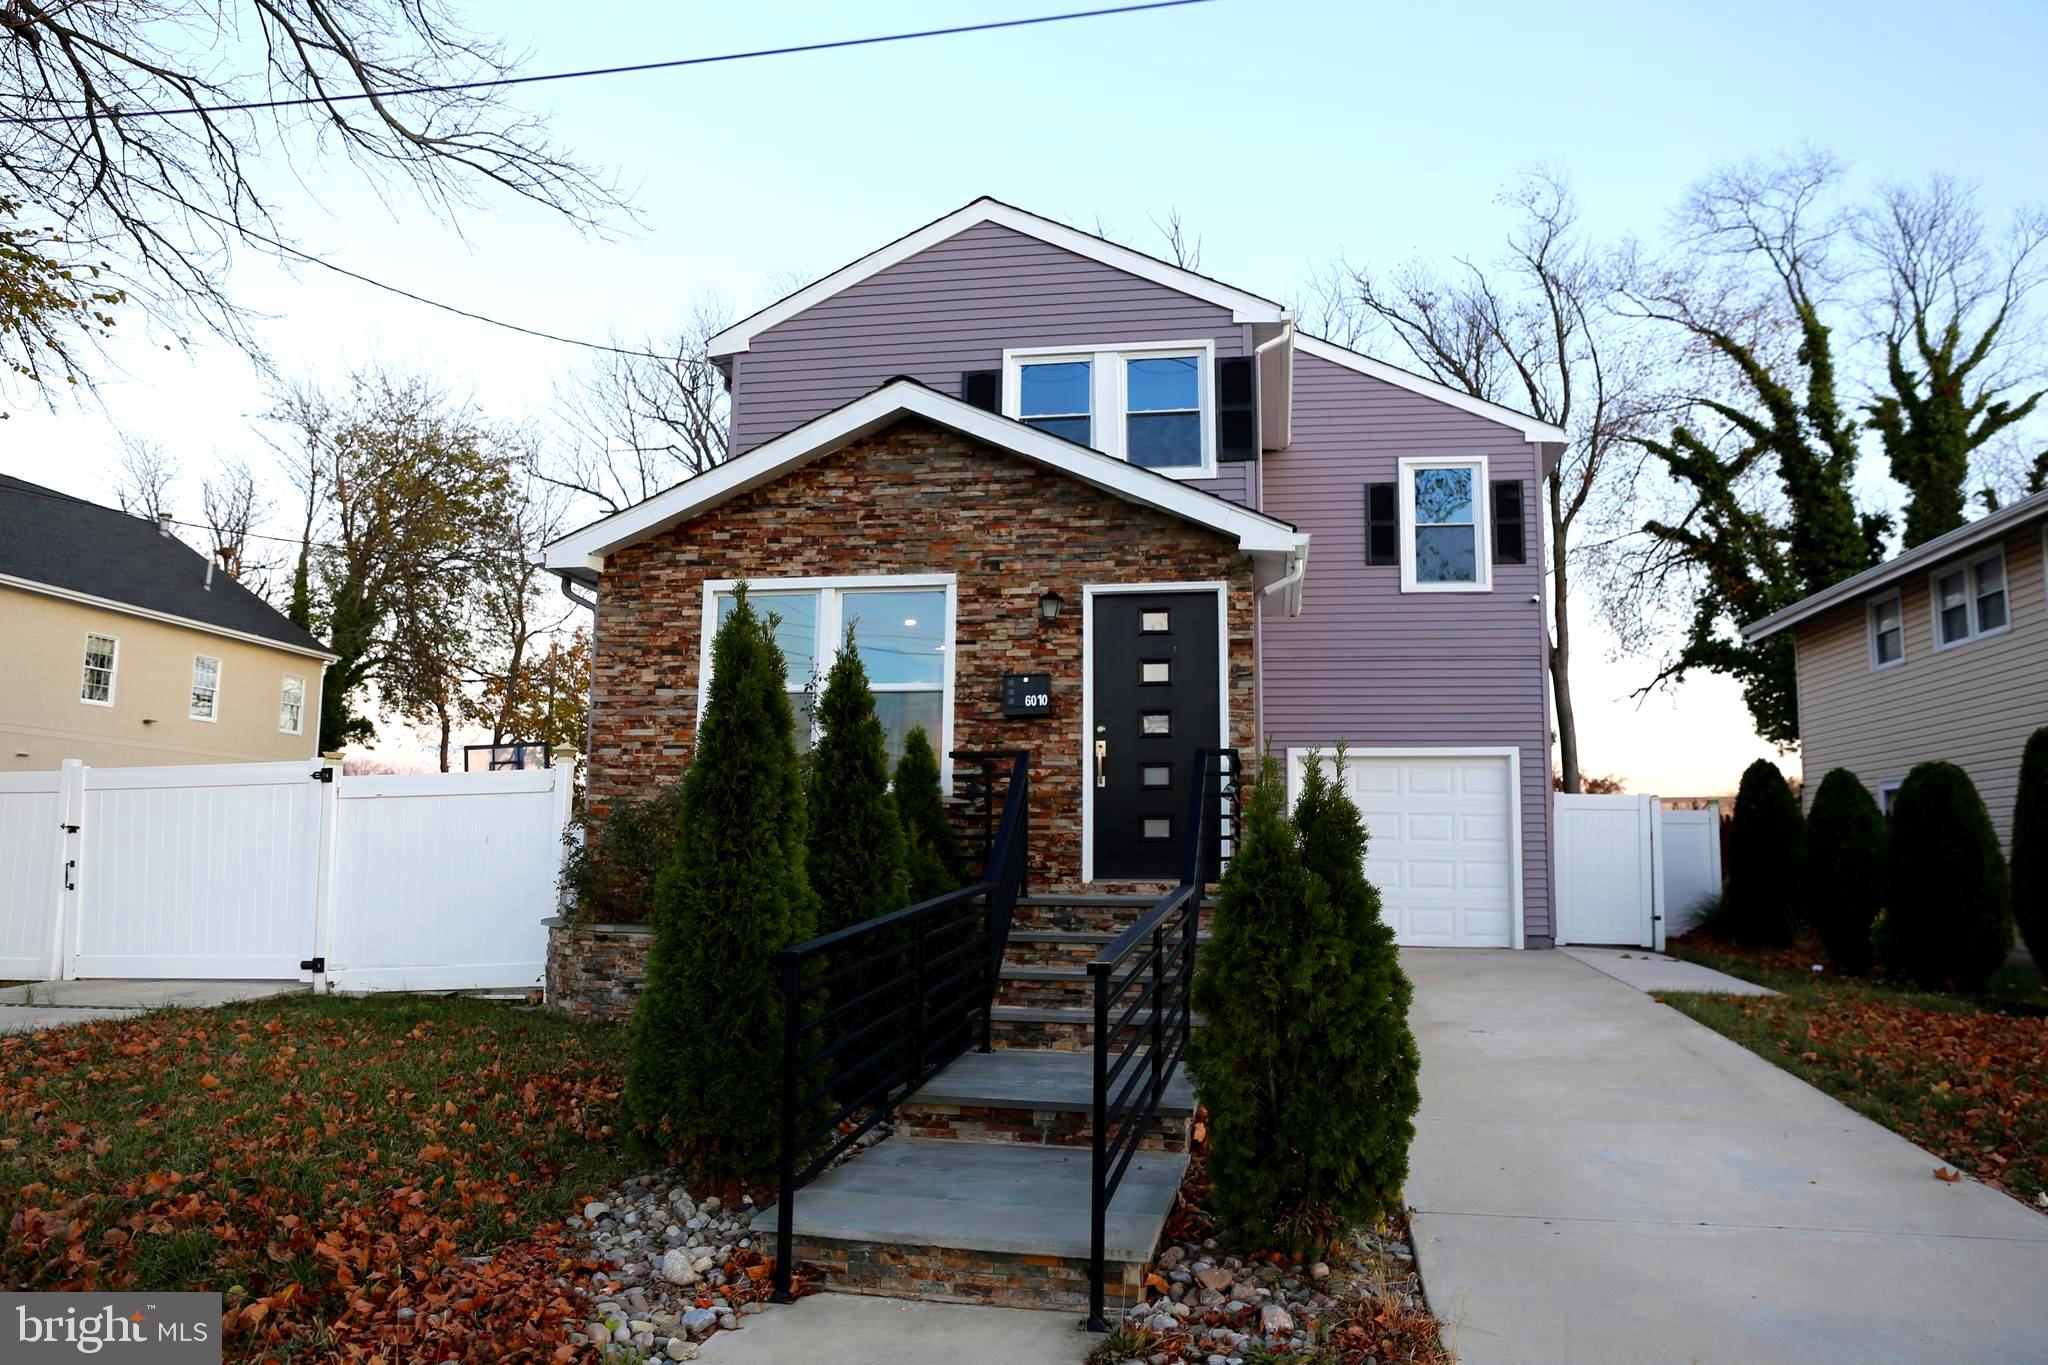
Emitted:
<point x="1887" y="792"/>
<point x="291" y="706"/>
<point x="1444" y="524"/>
<point x="96" y="687"/>
<point x="1970" y="600"/>
<point x="903" y="630"/>
<point x="1151" y="405"/>
<point x="1887" y="623"/>
<point x="205" y="689"/>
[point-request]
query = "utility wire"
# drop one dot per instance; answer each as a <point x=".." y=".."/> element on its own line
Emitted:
<point x="504" y="81"/>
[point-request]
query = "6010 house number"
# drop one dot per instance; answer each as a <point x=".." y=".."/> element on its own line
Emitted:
<point x="1027" y="694"/>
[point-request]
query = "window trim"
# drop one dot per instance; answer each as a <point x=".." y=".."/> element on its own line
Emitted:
<point x="1482" y="520"/>
<point x="113" y="668"/>
<point x="1870" y="625"/>
<point x="831" y="629"/>
<point x="213" y="717"/>
<point x="1109" y="393"/>
<point x="1968" y="569"/>
<point x="283" y="683"/>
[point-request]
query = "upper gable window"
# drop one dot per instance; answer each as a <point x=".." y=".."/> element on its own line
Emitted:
<point x="1887" y="632"/>
<point x="1151" y="405"/>
<point x="1969" y="600"/>
<point x="1442" y="511"/>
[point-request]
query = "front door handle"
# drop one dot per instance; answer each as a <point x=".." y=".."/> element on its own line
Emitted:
<point x="1101" y="763"/>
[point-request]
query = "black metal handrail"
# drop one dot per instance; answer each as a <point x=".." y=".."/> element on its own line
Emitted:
<point x="977" y="777"/>
<point x="919" y="988"/>
<point x="1158" y="951"/>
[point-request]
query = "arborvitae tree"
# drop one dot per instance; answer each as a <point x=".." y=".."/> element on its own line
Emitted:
<point x="1844" y="868"/>
<point x="1948" y="905"/>
<point x="856" y="841"/>
<point x="931" y="850"/>
<point x="1766" y="859"/>
<point x="2030" y="850"/>
<point x="702" y="1076"/>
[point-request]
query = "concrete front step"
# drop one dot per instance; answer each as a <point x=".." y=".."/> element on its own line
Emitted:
<point x="1039" y="1098"/>
<point x="977" y="1222"/>
<point x="1044" y="1028"/>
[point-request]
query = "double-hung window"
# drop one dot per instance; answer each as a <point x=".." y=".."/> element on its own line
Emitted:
<point x="205" y="689"/>
<point x="1969" y="600"/>
<point x="291" y="706"/>
<point x="1150" y="405"/>
<point x="902" y="630"/>
<point x="1443" y="520"/>
<point x="96" y="687"/>
<point x="1887" y="632"/>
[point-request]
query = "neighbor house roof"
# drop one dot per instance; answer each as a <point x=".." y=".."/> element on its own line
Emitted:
<point x="1923" y="556"/>
<point x="1278" y="550"/>
<point x="61" y="546"/>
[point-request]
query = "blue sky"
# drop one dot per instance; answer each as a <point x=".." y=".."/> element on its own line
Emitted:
<point x="1284" y="132"/>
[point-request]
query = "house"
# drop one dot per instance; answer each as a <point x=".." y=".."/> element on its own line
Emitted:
<point x="1939" y="653"/>
<point x="124" y="647"/>
<point x="1068" y="491"/>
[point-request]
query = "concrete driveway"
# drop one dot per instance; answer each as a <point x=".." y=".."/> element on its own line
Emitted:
<point x="56" y="1004"/>
<point x="1597" y="1178"/>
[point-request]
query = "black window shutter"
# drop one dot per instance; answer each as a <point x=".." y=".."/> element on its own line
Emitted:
<point x="1382" y="525"/>
<point x="982" y="388"/>
<point x="1510" y="538"/>
<point x="1237" y="408"/>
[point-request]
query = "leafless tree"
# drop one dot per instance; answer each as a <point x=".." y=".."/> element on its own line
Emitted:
<point x="634" y="425"/>
<point x="1533" y="330"/>
<point x="1182" y="247"/>
<point x="143" y="486"/>
<point x="233" y="507"/>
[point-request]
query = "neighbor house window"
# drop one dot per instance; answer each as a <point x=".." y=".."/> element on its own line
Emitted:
<point x="1887" y="793"/>
<point x="1150" y="405"/>
<point x="205" y="689"/>
<point x="902" y="630"/>
<point x="291" y="706"/>
<point x="1887" y="632"/>
<point x="97" y="686"/>
<point x="1969" y="600"/>
<point x="1443" y="511"/>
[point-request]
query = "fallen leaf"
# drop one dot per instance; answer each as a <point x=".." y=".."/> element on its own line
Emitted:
<point x="1944" y="1173"/>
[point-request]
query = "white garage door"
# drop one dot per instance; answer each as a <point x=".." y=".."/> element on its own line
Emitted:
<point x="1441" y="850"/>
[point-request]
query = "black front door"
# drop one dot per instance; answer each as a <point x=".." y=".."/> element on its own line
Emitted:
<point x="1157" y="703"/>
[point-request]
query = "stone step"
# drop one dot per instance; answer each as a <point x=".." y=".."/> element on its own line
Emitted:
<point x="1059" y="947"/>
<point x="1041" y="1098"/>
<point x="976" y="1222"/>
<point x="1044" y="1028"/>
<point x="1083" y="914"/>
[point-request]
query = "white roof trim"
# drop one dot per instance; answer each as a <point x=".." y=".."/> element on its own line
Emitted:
<point x="86" y="599"/>
<point x="584" y="550"/>
<point x="1538" y="433"/>
<point x="1243" y="307"/>
<point x="1993" y="526"/>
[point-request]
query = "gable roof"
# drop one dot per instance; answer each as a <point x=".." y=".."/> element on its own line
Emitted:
<point x="67" y="547"/>
<point x="1982" y="531"/>
<point x="1533" y="430"/>
<point x="1277" y="549"/>
<point x="1244" y="307"/>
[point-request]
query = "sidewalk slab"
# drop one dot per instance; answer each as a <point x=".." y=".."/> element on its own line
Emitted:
<point x="1653" y="972"/>
<point x="106" y="993"/>
<point x="855" y="1329"/>
<point x="34" y="1018"/>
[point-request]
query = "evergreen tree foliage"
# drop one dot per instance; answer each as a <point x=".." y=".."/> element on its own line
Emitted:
<point x="1765" y="894"/>
<point x="702" y="1076"/>
<point x="2030" y="850"/>
<point x="856" y="840"/>
<point x="1948" y="906"/>
<point x="1305" y="1061"/>
<point x="931" y="850"/>
<point x="1844" y="868"/>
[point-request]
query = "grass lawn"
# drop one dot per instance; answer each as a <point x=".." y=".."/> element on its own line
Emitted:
<point x="331" y="1165"/>
<point x="1966" y="1077"/>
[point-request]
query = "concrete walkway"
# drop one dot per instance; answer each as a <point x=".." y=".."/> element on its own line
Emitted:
<point x="1655" y="973"/>
<point x="58" y="1004"/>
<point x="851" y="1329"/>
<point x="1597" y="1178"/>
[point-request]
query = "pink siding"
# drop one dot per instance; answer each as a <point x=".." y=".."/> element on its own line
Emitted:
<point x="1373" y="666"/>
<point x="954" y="307"/>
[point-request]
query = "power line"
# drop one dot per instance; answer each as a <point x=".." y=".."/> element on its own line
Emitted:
<point x="670" y="65"/>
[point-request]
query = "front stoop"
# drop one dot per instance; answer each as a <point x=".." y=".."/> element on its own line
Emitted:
<point x="978" y="1222"/>
<point x="1040" y="1098"/>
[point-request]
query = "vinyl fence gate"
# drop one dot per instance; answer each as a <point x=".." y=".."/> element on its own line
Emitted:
<point x="1629" y="872"/>
<point x="280" y="871"/>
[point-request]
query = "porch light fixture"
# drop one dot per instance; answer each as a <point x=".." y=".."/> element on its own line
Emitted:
<point x="1049" y="606"/>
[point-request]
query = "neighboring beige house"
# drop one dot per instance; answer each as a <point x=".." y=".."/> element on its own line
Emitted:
<point x="120" y="646"/>
<point x="1939" y="653"/>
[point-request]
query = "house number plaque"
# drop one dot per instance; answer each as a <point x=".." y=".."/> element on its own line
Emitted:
<point x="1027" y="694"/>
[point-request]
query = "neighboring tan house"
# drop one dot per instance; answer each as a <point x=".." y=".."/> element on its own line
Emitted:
<point x="1939" y="653"/>
<point x="122" y="646"/>
<point x="1069" y="490"/>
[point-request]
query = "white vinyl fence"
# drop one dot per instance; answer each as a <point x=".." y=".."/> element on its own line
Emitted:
<point x="277" y="871"/>
<point x="1630" y="873"/>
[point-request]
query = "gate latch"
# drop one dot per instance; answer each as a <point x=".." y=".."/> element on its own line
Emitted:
<point x="313" y="964"/>
<point x="323" y="775"/>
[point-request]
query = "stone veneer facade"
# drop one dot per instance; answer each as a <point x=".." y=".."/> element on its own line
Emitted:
<point x="911" y="499"/>
<point x="596" y="971"/>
